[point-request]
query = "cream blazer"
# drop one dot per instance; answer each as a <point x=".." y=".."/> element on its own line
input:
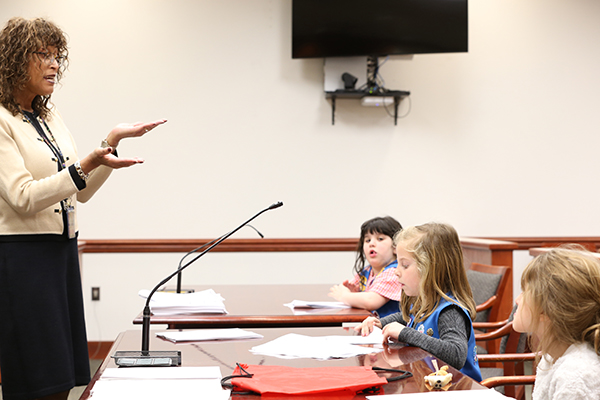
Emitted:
<point x="31" y="187"/>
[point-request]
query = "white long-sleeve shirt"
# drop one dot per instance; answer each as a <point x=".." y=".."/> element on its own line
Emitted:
<point x="573" y="376"/>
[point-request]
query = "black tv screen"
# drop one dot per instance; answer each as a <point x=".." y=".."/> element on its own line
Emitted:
<point x="348" y="28"/>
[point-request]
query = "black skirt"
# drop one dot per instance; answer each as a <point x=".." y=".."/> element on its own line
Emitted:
<point x="43" y="343"/>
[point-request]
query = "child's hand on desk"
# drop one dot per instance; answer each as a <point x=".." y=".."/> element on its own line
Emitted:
<point x="391" y="332"/>
<point x="338" y="292"/>
<point x="366" y="327"/>
<point x="352" y="287"/>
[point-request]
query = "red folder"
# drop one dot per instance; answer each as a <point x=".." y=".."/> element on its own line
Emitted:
<point x="273" y="379"/>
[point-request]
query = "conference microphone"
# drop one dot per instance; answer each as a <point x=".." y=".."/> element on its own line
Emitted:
<point x="165" y="358"/>
<point x="197" y="249"/>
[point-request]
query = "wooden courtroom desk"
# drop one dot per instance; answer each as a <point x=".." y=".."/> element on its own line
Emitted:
<point x="258" y="306"/>
<point x="536" y="251"/>
<point x="225" y="355"/>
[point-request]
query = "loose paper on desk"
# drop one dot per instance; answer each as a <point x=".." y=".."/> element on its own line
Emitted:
<point x="159" y="383"/>
<point x="203" y="302"/>
<point x="445" y="395"/>
<point x="316" y="304"/>
<point x="162" y="373"/>
<point x="320" y="347"/>
<point x="159" y="389"/>
<point x="198" y="335"/>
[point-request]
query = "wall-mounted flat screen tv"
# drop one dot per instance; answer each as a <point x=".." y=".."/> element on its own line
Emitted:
<point x="349" y="28"/>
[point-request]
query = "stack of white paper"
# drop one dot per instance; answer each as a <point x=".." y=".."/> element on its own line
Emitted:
<point x="159" y="389"/>
<point x="204" y="302"/>
<point x="154" y="373"/>
<point x="196" y="335"/>
<point x="321" y="347"/>
<point x="160" y="383"/>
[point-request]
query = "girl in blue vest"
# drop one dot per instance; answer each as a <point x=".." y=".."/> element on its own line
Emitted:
<point x="374" y="286"/>
<point x="437" y="306"/>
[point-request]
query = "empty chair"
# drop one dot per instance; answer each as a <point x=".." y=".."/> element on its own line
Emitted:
<point x="488" y="283"/>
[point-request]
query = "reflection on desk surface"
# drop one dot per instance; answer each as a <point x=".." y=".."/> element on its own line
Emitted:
<point x="225" y="355"/>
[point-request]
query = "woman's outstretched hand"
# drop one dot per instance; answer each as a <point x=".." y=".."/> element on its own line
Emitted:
<point x="123" y="131"/>
<point x="105" y="156"/>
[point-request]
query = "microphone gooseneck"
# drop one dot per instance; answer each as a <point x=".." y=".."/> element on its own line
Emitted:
<point x="146" y="313"/>
<point x="178" y="286"/>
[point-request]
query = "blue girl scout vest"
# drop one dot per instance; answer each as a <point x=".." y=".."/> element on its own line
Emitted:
<point x="392" y="306"/>
<point x="430" y="328"/>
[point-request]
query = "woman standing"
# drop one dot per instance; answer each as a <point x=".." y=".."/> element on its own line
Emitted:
<point x="43" y="343"/>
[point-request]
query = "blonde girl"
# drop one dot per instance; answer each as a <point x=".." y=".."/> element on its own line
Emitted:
<point x="374" y="286"/>
<point x="437" y="306"/>
<point x="560" y="308"/>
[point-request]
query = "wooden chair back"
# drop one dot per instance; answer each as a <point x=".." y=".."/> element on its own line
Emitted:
<point x="511" y="357"/>
<point x="488" y="283"/>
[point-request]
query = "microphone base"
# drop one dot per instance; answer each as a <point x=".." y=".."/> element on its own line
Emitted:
<point x="147" y="358"/>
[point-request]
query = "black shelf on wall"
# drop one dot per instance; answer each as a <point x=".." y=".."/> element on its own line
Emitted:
<point x="360" y="94"/>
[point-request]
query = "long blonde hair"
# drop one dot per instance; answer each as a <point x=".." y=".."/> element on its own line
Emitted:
<point x="564" y="285"/>
<point x="438" y="254"/>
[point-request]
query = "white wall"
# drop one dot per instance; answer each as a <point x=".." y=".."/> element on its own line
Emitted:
<point x="502" y="140"/>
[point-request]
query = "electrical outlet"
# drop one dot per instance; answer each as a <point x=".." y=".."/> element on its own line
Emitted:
<point x="95" y="294"/>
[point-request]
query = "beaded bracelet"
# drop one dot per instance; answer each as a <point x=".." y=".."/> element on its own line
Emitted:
<point x="82" y="174"/>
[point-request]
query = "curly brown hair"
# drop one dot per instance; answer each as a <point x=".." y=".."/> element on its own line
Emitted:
<point x="19" y="39"/>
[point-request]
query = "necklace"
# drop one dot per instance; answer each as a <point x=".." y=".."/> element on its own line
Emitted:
<point x="51" y="143"/>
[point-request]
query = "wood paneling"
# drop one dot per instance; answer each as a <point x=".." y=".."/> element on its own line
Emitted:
<point x="525" y="243"/>
<point x="484" y="251"/>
